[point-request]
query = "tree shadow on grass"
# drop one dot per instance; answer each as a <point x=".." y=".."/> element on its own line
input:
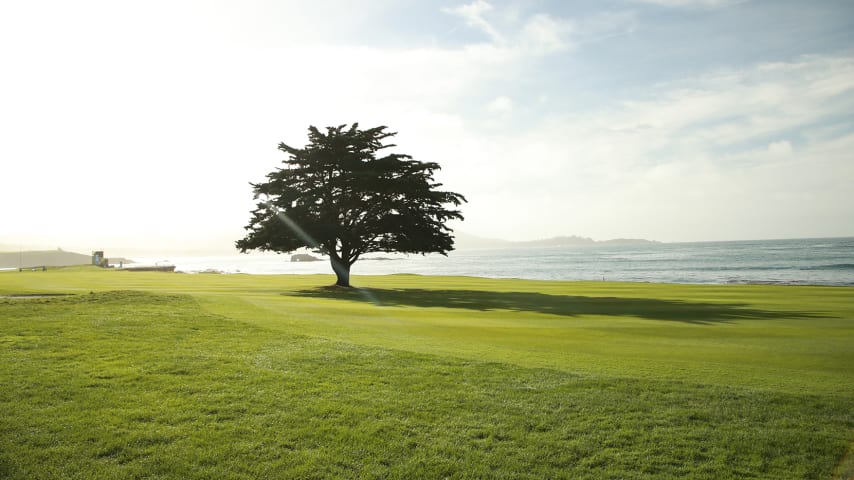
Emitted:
<point x="562" y="305"/>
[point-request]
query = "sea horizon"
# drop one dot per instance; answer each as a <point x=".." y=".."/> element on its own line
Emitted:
<point x="810" y="261"/>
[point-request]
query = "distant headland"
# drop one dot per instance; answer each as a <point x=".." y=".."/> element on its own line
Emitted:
<point x="50" y="258"/>
<point x="466" y="241"/>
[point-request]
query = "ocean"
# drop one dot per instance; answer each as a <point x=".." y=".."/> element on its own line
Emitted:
<point x="824" y="261"/>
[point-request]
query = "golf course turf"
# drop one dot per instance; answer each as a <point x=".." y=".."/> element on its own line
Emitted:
<point x="159" y="375"/>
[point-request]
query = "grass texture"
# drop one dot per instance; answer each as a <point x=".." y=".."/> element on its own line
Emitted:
<point x="153" y="375"/>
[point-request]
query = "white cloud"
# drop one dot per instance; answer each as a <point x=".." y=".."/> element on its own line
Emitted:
<point x="737" y="106"/>
<point x="474" y="14"/>
<point x="781" y="148"/>
<point x="541" y="33"/>
<point x="545" y="34"/>
<point x="712" y="162"/>
<point x="500" y="105"/>
<point x="693" y="3"/>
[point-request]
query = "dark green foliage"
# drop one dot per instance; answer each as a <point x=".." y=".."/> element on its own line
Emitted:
<point x="338" y="198"/>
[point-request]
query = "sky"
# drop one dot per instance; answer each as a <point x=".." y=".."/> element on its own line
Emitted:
<point x="136" y="127"/>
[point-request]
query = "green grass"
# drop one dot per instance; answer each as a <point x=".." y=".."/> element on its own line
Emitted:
<point x="234" y="376"/>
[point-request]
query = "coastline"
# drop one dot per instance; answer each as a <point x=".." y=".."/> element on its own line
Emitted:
<point x="756" y="262"/>
<point x="787" y="262"/>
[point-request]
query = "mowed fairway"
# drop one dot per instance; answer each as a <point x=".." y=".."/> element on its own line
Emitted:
<point x="153" y="375"/>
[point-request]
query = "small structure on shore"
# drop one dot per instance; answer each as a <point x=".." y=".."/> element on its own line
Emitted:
<point x="304" y="257"/>
<point x="99" y="260"/>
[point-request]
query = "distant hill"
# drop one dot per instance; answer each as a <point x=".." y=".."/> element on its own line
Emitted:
<point x="575" y="240"/>
<point x="48" y="258"/>
<point x="464" y="241"/>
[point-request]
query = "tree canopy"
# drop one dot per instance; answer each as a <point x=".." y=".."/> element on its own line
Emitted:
<point x="337" y="197"/>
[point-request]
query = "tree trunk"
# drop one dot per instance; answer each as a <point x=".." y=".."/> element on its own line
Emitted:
<point x="342" y="271"/>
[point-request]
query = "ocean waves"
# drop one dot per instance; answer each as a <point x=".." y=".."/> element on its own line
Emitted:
<point x="794" y="262"/>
